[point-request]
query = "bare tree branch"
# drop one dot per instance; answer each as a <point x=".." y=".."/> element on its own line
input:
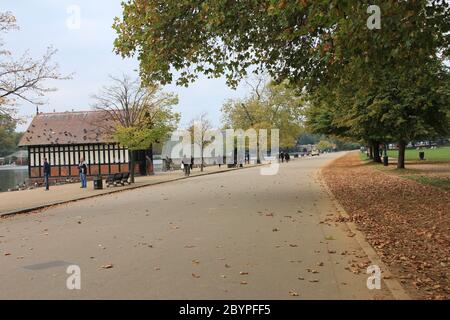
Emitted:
<point x="257" y="83"/>
<point x="24" y="78"/>
<point x="129" y="104"/>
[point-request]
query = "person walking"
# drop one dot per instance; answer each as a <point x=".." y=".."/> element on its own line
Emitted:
<point x="82" y="168"/>
<point x="167" y="163"/>
<point x="46" y="174"/>
<point x="186" y="166"/>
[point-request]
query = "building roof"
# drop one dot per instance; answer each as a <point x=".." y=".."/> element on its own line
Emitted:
<point x="60" y="128"/>
<point x="18" y="154"/>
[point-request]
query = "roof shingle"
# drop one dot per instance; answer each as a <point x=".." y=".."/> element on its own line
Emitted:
<point x="61" y="128"/>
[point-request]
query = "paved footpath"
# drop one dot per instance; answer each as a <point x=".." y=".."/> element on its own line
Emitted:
<point x="236" y="235"/>
<point x="28" y="200"/>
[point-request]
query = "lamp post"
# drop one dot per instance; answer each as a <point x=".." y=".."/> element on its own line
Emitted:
<point x="385" y="157"/>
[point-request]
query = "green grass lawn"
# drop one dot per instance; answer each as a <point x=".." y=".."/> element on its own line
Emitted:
<point x="363" y="156"/>
<point x="436" y="156"/>
<point x="440" y="154"/>
<point x="434" y="181"/>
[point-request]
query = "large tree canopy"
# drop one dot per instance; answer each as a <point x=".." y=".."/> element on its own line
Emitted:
<point x="303" y="40"/>
<point x="387" y="83"/>
<point x="272" y="106"/>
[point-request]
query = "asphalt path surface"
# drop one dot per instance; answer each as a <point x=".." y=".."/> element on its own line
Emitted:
<point x="234" y="235"/>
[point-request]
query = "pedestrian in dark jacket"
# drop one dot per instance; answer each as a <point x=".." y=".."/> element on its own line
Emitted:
<point x="82" y="168"/>
<point x="186" y="166"/>
<point x="220" y="161"/>
<point x="46" y="174"/>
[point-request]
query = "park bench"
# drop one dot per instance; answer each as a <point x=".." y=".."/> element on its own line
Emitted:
<point x="114" y="179"/>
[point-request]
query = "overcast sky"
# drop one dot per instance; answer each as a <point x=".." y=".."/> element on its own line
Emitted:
<point x="87" y="51"/>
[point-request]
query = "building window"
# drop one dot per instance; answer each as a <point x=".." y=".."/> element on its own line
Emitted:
<point x="71" y="155"/>
<point x="46" y="154"/>
<point x="66" y="155"/>
<point x="120" y="154"/>
<point x="116" y="154"/>
<point x="32" y="154"/>
<point x="111" y="154"/>
<point x="55" y="152"/>
<point x="76" y="155"/>
<point x="82" y="155"/>
<point x="43" y="155"/>
<point x="102" y="153"/>
<point x="96" y="154"/>
<point x="106" y="150"/>
<point x="92" y="155"/>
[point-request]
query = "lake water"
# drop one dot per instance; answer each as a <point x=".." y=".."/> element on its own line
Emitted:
<point x="10" y="177"/>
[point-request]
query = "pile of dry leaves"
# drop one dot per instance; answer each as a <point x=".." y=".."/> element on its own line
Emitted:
<point x="407" y="223"/>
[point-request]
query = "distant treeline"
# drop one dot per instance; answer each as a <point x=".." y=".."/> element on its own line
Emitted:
<point x="309" y="138"/>
<point x="9" y="138"/>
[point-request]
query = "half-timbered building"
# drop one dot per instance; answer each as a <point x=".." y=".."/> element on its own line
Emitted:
<point x="66" y="137"/>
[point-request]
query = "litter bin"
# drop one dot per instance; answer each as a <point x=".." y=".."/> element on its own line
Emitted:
<point x="98" y="183"/>
<point x="385" y="161"/>
<point x="422" y="155"/>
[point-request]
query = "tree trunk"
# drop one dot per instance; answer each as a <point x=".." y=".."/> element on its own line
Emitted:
<point x="258" y="153"/>
<point x="376" y="152"/>
<point x="201" y="159"/>
<point x="152" y="170"/>
<point x="401" y="155"/>
<point x="201" y="165"/>
<point x="132" y="166"/>
<point x="370" y="151"/>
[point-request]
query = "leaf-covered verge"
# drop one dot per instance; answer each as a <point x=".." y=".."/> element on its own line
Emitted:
<point x="406" y="222"/>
